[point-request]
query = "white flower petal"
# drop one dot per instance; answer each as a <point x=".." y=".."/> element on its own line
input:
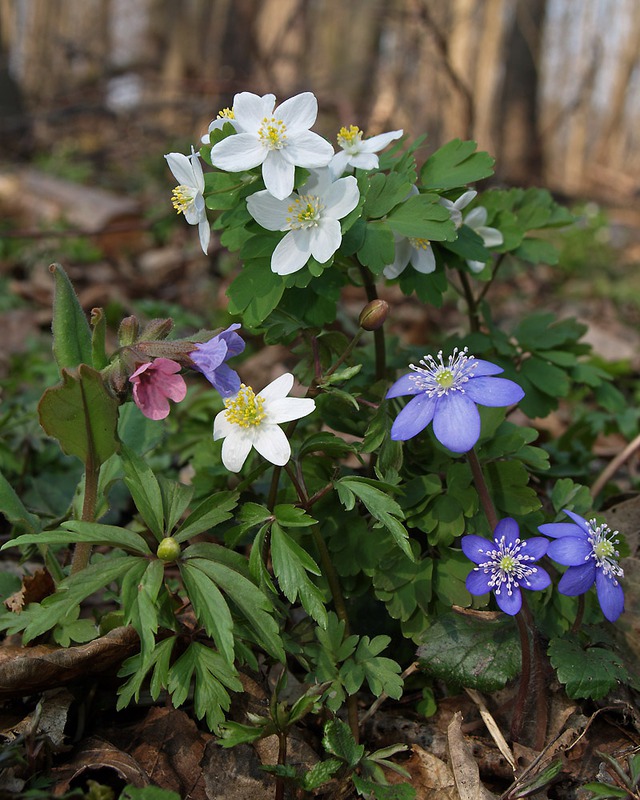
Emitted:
<point x="289" y="408"/>
<point x="339" y="163"/>
<point x="376" y="143"/>
<point x="278" y="174"/>
<point x="277" y="389"/>
<point x="308" y="149"/>
<point x="182" y="169"/>
<point x="268" y="211"/>
<point x="341" y="198"/>
<point x="476" y="266"/>
<point x="299" y="112"/>
<point x="204" y="232"/>
<point x="423" y="260"/>
<point x="272" y="444"/>
<point x="291" y="253"/>
<point x="464" y="199"/>
<point x="250" y="109"/>
<point x="403" y="254"/>
<point x="476" y="217"/>
<point x="325" y="239"/>
<point x="235" y="449"/>
<point x="238" y="152"/>
<point x="221" y="426"/>
<point x="364" y="161"/>
<point x="490" y="236"/>
<point x="196" y="167"/>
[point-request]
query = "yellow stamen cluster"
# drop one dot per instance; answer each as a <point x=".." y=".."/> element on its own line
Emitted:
<point x="226" y="113"/>
<point x="272" y="133"/>
<point x="304" y="212"/>
<point x="349" y="136"/>
<point x="419" y="244"/>
<point x="181" y="198"/>
<point x="246" y="408"/>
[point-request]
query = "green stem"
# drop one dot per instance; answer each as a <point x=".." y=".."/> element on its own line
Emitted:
<point x="82" y="550"/>
<point x="483" y="491"/>
<point x="345" y="355"/>
<point x="378" y="335"/>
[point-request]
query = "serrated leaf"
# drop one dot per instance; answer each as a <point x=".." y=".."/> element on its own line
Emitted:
<point x="377" y="248"/>
<point x="90" y="532"/>
<point x="466" y="651"/>
<point x="591" y="673"/>
<point x="71" y="331"/>
<point x="327" y="443"/>
<point x="255" y="292"/>
<point x="537" y="251"/>
<point x="175" y="499"/>
<point x="82" y="415"/>
<point x="384" y="192"/>
<point x="338" y="740"/>
<point x="290" y="566"/>
<point x="209" y="606"/>
<point x="293" y="517"/>
<point x="145" y="490"/>
<point x="12" y="507"/>
<point x="456" y="164"/>
<point x="320" y="773"/>
<point x="423" y="217"/>
<point x="210" y="512"/>
<point x="376" y="791"/>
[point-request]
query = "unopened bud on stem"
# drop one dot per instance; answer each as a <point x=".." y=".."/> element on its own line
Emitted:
<point x="373" y="315"/>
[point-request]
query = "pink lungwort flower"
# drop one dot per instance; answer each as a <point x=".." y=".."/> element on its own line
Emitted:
<point x="154" y="384"/>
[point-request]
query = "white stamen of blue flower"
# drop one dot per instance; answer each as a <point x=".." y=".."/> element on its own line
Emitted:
<point x="435" y="378"/>
<point x="507" y="564"/>
<point x="602" y="541"/>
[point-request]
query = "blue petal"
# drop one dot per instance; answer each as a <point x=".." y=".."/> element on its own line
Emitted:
<point x="485" y="368"/>
<point x="209" y="355"/>
<point x="235" y="342"/>
<point x="456" y="422"/>
<point x="577" y="580"/>
<point x="558" y="529"/>
<point x="510" y="604"/>
<point x="538" y="580"/>
<point x="580" y="521"/>
<point x="478" y="581"/>
<point x="508" y="528"/>
<point x="610" y="596"/>
<point x="493" y="391"/>
<point x="475" y="548"/>
<point x="226" y="380"/>
<point x="570" y="550"/>
<point x="413" y="418"/>
<point x="536" y="547"/>
<point x="404" y="385"/>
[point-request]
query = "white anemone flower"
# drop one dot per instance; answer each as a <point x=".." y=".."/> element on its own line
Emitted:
<point x="411" y="250"/>
<point x="311" y="216"/>
<point x="279" y="139"/>
<point x="229" y="115"/>
<point x="252" y="420"/>
<point x="455" y="208"/>
<point x="359" y="152"/>
<point x="187" y="197"/>
<point x="476" y="219"/>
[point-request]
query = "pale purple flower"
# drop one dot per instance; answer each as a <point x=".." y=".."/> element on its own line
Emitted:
<point x="505" y="565"/>
<point x="589" y="550"/>
<point x="448" y="394"/>
<point x="210" y="357"/>
<point x="154" y="384"/>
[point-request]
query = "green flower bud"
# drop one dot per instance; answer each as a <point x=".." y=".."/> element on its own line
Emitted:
<point x="128" y="331"/>
<point x="373" y="315"/>
<point x="168" y="549"/>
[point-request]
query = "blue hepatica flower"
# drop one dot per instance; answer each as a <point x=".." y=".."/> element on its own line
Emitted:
<point x="448" y="394"/>
<point x="589" y="550"/>
<point x="505" y="565"/>
<point x="209" y="357"/>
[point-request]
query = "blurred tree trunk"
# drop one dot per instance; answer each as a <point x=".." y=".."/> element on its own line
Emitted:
<point x="519" y="145"/>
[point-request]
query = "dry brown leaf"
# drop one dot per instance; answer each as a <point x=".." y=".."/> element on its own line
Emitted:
<point x="463" y="764"/>
<point x="25" y="670"/>
<point x="34" y="589"/>
<point x="96" y="755"/>
<point x="430" y="776"/>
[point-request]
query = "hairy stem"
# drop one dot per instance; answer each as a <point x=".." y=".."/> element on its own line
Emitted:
<point x="483" y="491"/>
<point x="82" y="550"/>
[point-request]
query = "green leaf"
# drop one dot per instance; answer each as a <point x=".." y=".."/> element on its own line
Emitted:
<point x="320" y="773"/>
<point x="255" y="292"/>
<point x="209" y="606"/>
<point x="71" y="331"/>
<point x="423" y="217"/>
<point x="376" y="791"/>
<point x="220" y="190"/>
<point x="210" y="512"/>
<point x="248" y="598"/>
<point x="290" y="565"/>
<point x="468" y="245"/>
<point x="382" y="507"/>
<point x="338" y="740"/>
<point x="605" y="790"/>
<point x="145" y="490"/>
<point x="148" y="793"/>
<point x="13" y="509"/>
<point x="471" y="652"/>
<point x="74" y="531"/>
<point x="384" y="193"/>
<point x="235" y="733"/>
<point x="592" y="673"/>
<point x="327" y="443"/>
<point x="82" y="415"/>
<point x="382" y="674"/>
<point x="99" y="359"/>
<point x="293" y="517"/>
<point x="456" y="164"/>
<point x="175" y="498"/>
<point x="537" y="251"/>
<point x="159" y="660"/>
